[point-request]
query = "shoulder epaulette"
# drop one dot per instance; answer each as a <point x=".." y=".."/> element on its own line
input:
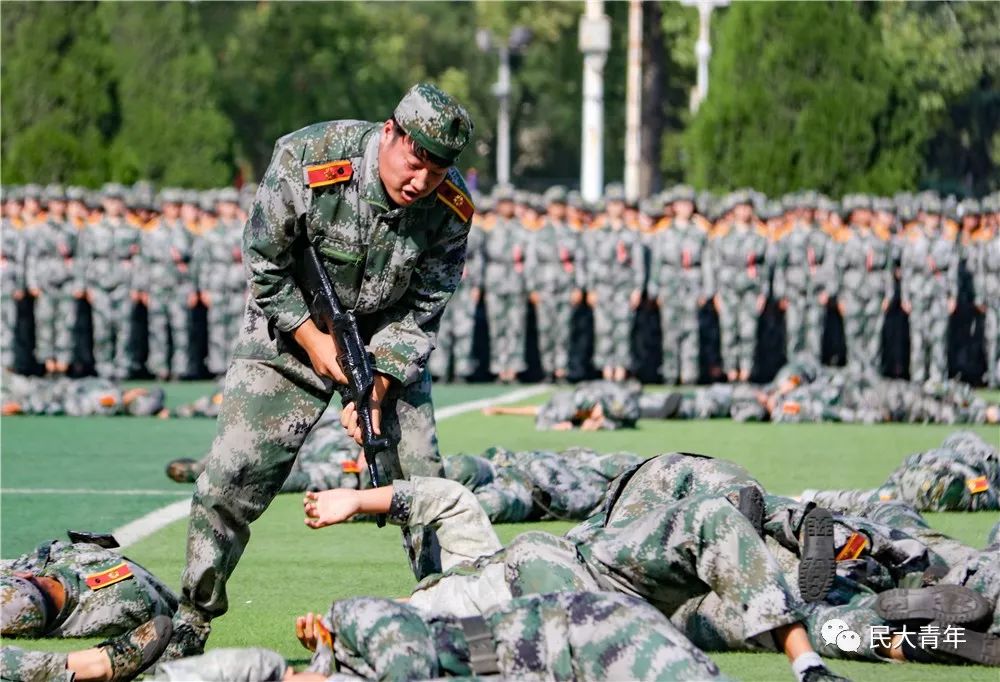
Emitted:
<point x="330" y="173"/>
<point x="702" y="222"/>
<point x="720" y="230"/>
<point x="455" y="199"/>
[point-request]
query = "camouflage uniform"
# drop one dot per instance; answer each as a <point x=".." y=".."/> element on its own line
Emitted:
<point x="454" y="338"/>
<point x="569" y="636"/>
<point x="553" y="264"/>
<point x="929" y="267"/>
<point x="506" y="302"/>
<point x="942" y="479"/>
<point x="49" y="269"/>
<point x="862" y="279"/>
<point x="219" y="274"/>
<point x="719" y="401"/>
<point x="396" y="267"/>
<point x="106" y="255"/>
<point x="677" y="281"/>
<point x="619" y="404"/>
<point x="106" y="594"/>
<point x="798" y="279"/>
<point x="207" y="406"/>
<point x="987" y="287"/>
<point x="13" y="246"/>
<point x="90" y="396"/>
<point x="167" y="251"/>
<point x="615" y="268"/>
<point x="737" y="273"/>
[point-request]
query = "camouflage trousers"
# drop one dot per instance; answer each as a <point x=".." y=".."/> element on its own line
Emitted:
<point x="863" y="320"/>
<point x="566" y="636"/>
<point x="454" y="337"/>
<point x="991" y="339"/>
<point x="224" y="316"/>
<point x="272" y="399"/>
<point x="22" y="665"/>
<point x="613" y="320"/>
<point x="55" y="316"/>
<point x="112" y="315"/>
<point x="506" y="313"/>
<point x="679" y="325"/>
<point x="554" y="313"/>
<point x="8" y="325"/>
<point x="929" y="341"/>
<point x="804" y="319"/>
<point x="738" y="328"/>
<point x="224" y="665"/>
<point x="169" y="332"/>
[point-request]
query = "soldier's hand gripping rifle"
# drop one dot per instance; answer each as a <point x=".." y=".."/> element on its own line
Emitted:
<point x="354" y="359"/>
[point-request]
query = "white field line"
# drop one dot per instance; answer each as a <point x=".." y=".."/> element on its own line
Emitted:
<point x="157" y="519"/>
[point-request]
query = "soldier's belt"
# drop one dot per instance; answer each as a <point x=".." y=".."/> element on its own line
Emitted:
<point x="482" y="650"/>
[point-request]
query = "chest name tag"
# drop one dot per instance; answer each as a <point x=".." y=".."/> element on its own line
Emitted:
<point x="328" y="173"/>
<point x="115" y="574"/>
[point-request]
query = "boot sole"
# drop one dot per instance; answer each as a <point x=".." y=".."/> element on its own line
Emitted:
<point x="978" y="647"/>
<point x="950" y="604"/>
<point x="817" y="565"/>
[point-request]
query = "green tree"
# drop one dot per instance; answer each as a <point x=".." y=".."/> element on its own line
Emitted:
<point x="57" y="114"/>
<point x="172" y="130"/>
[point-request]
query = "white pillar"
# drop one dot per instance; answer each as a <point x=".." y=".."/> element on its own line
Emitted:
<point x="503" y="118"/>
<point x="703" y="48"/>
<point x="633" y="100"/>
<point x="595" y="40"/>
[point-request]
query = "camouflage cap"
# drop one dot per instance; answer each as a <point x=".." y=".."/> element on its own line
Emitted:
<point x="190" y="196"/>
<point x="930" y="203"/>
<point x="574" y="199"/>
<point x="206" y="201"/>
<point x="23" y="608"/>
<point x="682" y="193"/>
<point x="227" y="195"/>
<point x="503" y="193"/>
<point x="112" y="190"/>
<point x="970" y="206"/>
<point x="884" y="205"/>
<point x="170" y="195"/>
<point x="147" y="404"/>
<point x="76" y="193"/>
<point x="555" y="195"/>
<point x="614" y="192"/>
<point x="55" y="193"/>
<point x="31" y="191"/>
<point x="435" y="120"/>
<point x="651" y="206"/>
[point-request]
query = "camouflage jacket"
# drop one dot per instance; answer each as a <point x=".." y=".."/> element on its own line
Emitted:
<point x="676" y="264"/>
<point x="554" y="260"/>
<point x="396" y="267"/>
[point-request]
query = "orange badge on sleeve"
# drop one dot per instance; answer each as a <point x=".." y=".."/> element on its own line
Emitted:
<point x="853" y="548"/>
<point x="350" y="467"/>
<point x="329" y="173"/>
<point x="456" y="200"/>
<point x="115" y="574"/>
<point x="977" y="485"/>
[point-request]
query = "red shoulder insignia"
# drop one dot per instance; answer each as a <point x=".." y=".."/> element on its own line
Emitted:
<point x="456" y="200"/>
<point x="853" y="548"/>
<point x="115" y="574"/>
<point x="977" y="485"/>
<point x="329" y="173"/>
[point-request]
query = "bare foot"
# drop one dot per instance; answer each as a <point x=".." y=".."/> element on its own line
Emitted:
<point x="330" y="507"/>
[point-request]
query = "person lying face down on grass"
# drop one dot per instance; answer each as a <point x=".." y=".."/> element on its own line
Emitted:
<point x="589" y="406"/>
<point x="702" y="544"/>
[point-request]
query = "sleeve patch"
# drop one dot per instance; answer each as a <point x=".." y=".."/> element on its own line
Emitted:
<point x="328" y="173"/>
<point x="456" y="200"/>
<point x="115" y="574"/>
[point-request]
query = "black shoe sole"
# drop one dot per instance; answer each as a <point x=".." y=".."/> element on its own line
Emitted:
<point x="950" y="604"/>
<point x="978" y="647"/>
<point x="672" y="406"/>
<point x="817" y="565"/>
<point x="751" y="505"/>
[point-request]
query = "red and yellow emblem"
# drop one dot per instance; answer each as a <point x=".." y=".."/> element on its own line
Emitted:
<point x="456" y="200"/>
<point x="115" y="574"/>
<point x="977" y="485"/>
<point x="852" y="550"/>
<point x="350" y="467"/>
<point x="791" y="407"/>
<point x="329" y="173"/>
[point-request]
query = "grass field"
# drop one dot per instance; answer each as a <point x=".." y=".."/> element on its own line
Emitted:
<point x="98" y="474"/>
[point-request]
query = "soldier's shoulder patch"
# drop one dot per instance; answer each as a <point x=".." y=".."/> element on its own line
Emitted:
<point x="455" y="199"/>
<point x="329" y="173"/>
<point x="720" y="230"/>
<point x="702" y="222"/>
<point x="115" y="574"/>
<point x="977" y="485"/>
<point x="852" y="548"/>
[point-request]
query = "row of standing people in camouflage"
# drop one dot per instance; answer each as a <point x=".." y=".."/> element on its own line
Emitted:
<point x="117" y="249"/>
<point x="801" y="253"/>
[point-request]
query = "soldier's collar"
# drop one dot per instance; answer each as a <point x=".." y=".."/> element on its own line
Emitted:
<point x="372" y="189"/>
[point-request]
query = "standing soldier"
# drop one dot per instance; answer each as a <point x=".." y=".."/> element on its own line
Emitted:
<point x="503" y="250"/>
<point x="737" y="278"/>
<point x="12" y="257"/>
<point x="987" y="286"/>
<point x="107" y="251"/>
<point x="50" y="277"/>
<point x="862" y="280"/>
<point x="615" y="277"/>
<point x="677" y="283"/>
<point x="798" y="286"/>
<point x="929" y="290"/>
<point x="555" y="281"/>
<point x="167" y="288"/>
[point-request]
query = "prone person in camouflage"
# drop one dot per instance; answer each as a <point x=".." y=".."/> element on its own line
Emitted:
<point x="961" y="475"/>
<point x="589" y="406"/>
<point x="695" y="541"/>
<point x="90" y="396"/>
<point x="389" y="216"/>
<point x="78" y="589"/>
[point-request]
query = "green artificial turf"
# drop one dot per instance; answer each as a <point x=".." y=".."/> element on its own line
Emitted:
<point x="289" y="569"/>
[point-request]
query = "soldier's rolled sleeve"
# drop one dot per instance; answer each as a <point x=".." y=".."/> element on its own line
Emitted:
<point x="402" y="345"/>
<point x="267" y="242"/>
